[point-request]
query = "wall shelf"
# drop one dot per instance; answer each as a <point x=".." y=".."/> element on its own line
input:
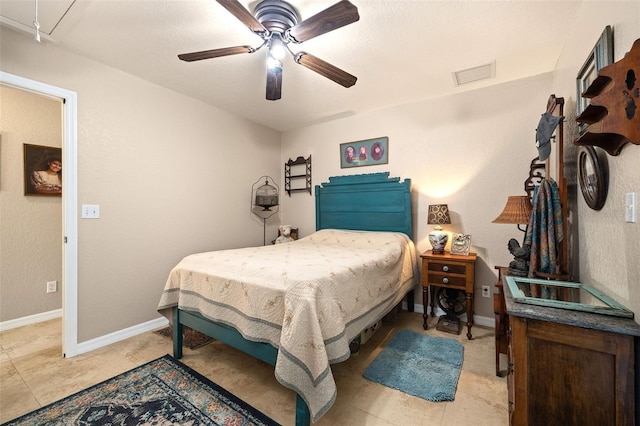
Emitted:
<point x="302" y="168"/>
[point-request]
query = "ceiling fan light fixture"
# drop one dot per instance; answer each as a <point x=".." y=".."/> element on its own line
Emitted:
<point x="273" y="63"/>
<point x="276" y="22"/>
<point x="276" y="47"/>
<point x="276" y="15"/>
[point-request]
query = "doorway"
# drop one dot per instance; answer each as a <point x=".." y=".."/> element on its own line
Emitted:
<point x="69" y="203"/>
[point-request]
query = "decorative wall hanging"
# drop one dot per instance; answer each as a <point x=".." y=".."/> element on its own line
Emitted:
<point x="264" y="201"/>
<point x="294" y="173"/>
<point x="593" y="174"/>
<point x="42" y="170"/>
<point x="613" y="114"/>
<point x="364" y="153"/>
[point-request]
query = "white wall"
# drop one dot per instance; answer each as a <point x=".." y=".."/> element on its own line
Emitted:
<point x="470" y="151"/>
<point x="172" y="177"/>
<point x="608" y="247"/>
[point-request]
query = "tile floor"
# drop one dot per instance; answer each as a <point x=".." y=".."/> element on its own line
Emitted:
<point x="34" y="374"/>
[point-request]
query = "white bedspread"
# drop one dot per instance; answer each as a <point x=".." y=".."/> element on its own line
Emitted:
<point x="308" y="298"/>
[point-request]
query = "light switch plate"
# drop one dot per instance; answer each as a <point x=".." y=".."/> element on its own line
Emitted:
<point x="90" y="211"/>
<point x="630" y="207"/>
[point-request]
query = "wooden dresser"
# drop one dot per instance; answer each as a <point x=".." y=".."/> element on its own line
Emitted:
<point x="501" y="318"/>
<point x="570" y="368"/>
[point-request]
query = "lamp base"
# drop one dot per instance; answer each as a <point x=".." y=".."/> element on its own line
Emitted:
<point x="438" y="239"/>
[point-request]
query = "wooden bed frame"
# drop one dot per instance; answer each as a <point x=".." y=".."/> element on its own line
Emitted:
<point x="372" y="202"/>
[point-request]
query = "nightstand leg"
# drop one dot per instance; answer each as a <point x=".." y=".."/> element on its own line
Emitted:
<point x="469" y="314"/>
<point x="425" y="304"/>
<point x="433" y="296"/>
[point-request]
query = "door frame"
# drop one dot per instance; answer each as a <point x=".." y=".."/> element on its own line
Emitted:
<point x="69" y="203"/>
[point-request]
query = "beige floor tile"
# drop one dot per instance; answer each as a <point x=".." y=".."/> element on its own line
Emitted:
<point x="144" y="347"/>
<point x="33" y="373"/>
<point x="23" y="341"/>
<point x="474" y="410"/>
<point x="15" y="396"/>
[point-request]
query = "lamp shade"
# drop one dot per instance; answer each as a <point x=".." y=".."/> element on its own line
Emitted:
<point x="517" y="211"/>
<point x="438" y="215"/>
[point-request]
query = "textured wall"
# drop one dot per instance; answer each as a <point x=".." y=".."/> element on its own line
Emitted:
<point x="470" y="151"/>
<point x="607" y="247"/>
<point x="30" y="226"/>
<point x="172" y="176"/>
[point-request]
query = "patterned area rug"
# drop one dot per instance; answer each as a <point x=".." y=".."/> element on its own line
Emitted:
<point x="423" y="366"/>
<point x="191" y="338"/>
<point x="162" y="392"/>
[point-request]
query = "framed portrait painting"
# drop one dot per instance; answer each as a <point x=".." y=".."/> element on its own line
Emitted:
<point x="368" y="152"/>
<point x="42" y="170"/>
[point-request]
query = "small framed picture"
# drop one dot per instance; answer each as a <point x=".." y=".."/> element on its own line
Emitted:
<point x="600" y="56"/>
<point x="42" y="170"/>
<point x="461" y="244"/>
<point x="364" y="153"/>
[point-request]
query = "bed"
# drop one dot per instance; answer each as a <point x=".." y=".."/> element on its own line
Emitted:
<point x="298" y="305"/>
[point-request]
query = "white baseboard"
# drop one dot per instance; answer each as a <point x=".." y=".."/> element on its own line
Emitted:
<point x="117" y="336"/>
<point x="483" y="321"/>
<point x="126" y="333"/>
<point x="92" y="344"/>
<point x="31" y="319"/>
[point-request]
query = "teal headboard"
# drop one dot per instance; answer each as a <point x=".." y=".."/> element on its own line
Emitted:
<point x="367" y="202"/>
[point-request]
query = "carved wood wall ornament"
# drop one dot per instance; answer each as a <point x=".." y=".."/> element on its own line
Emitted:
<point x="614" y="112"/>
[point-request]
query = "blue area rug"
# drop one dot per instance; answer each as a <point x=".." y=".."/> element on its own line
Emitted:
<point x="162" y="392"/>
<point x="423" y="366"/>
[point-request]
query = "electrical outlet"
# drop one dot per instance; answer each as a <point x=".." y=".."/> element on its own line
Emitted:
<point x="630" y="207"/>
<point x="90" y="211"/>
<point x="52" y="286"/>
<point x="486" y="291"/>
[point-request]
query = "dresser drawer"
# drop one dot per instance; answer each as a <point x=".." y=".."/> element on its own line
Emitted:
<point x="451" y="268"/>
<point x="445" y="279"/>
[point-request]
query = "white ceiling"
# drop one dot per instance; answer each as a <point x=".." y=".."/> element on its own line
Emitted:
<point x="401" y="51"/>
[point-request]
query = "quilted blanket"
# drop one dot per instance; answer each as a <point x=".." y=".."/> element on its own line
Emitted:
<point x="308" y="298"/>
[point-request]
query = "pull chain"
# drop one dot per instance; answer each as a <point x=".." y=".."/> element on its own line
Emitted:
<point x="36" y="24"/>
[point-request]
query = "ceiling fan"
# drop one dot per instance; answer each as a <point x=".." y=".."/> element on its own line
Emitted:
<point x="276" y="22"/>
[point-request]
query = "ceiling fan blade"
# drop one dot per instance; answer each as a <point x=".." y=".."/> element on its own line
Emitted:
<point x="274" y="84"/>
<point x="243" y="15"/>
<point x="325" y="69"/>
<point x="215" y="53"/>
<point x="340" y="14"/>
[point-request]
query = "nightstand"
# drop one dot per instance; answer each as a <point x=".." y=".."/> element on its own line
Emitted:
<point x="449" y="271"/>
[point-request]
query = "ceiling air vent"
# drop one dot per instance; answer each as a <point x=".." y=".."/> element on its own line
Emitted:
<point x="474" y="74"/>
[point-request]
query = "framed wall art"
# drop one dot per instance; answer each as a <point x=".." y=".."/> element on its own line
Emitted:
<point x="461" y="244"/>
<point x="368" y="152"/>
<point x="42" y="170"/>
<point x="599" y="57"/>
